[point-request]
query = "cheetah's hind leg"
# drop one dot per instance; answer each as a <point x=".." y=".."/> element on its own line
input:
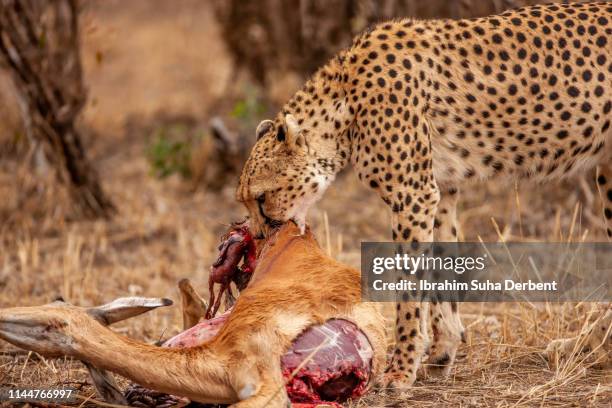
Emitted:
<point x="595" y="339"/>
<point x="604" y="186"/>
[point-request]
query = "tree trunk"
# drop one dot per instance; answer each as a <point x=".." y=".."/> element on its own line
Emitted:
<point x="39" y="46"/>
<point x="273" y="39"/>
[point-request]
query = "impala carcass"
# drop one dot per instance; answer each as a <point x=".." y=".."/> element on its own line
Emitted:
<point x="300" y="311"/>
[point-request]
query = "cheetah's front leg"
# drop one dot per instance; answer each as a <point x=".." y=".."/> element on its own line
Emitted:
<point x="401" y="172"/>
<point x="413" y="223"/>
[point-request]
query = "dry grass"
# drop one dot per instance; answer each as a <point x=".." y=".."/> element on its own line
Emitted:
<point x="166" y="232"/>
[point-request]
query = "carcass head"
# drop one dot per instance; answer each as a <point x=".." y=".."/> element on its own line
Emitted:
<point x="54" y="329"/>
<point x="43" y="329"/>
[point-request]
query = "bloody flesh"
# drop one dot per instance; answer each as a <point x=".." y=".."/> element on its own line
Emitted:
<point x="238" y="246"/>
<point x="328" y="362"/>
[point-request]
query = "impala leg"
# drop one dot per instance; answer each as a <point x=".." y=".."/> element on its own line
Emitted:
<point x="105" y="385"/>
<point x="263" y="387"/>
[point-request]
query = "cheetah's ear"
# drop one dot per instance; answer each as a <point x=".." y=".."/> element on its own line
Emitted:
<point x="294" y="138"/>
<point x="263" y="128"/>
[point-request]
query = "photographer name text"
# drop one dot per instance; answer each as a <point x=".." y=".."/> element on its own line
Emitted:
<point x="457" y="286"/>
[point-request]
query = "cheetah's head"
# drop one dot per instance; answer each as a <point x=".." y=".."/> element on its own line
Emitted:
<point x="297" y="155"/>
<point x="286" y="172"/>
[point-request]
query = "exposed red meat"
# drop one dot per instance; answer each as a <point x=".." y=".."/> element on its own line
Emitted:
<point x="334" y="361"/>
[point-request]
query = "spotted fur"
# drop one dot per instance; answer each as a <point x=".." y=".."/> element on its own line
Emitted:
<point x="420" y="108"/>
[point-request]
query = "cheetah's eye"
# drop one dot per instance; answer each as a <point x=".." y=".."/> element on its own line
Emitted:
<point x="261" y="198"/>
<point x="280" y="135"/>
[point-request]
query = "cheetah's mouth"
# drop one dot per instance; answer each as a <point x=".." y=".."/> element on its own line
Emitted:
<point x="271" y="223"/>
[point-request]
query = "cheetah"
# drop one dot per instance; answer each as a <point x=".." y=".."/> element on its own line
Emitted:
<point x="421" y="108"/>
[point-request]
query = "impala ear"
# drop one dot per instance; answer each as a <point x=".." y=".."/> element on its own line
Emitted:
<point x="124" y="308"/>
<point x="263" y="128"/>
<point x="294" y="138"/>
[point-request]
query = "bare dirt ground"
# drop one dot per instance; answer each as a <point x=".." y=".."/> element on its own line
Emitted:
<point x="145" y="59"/>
